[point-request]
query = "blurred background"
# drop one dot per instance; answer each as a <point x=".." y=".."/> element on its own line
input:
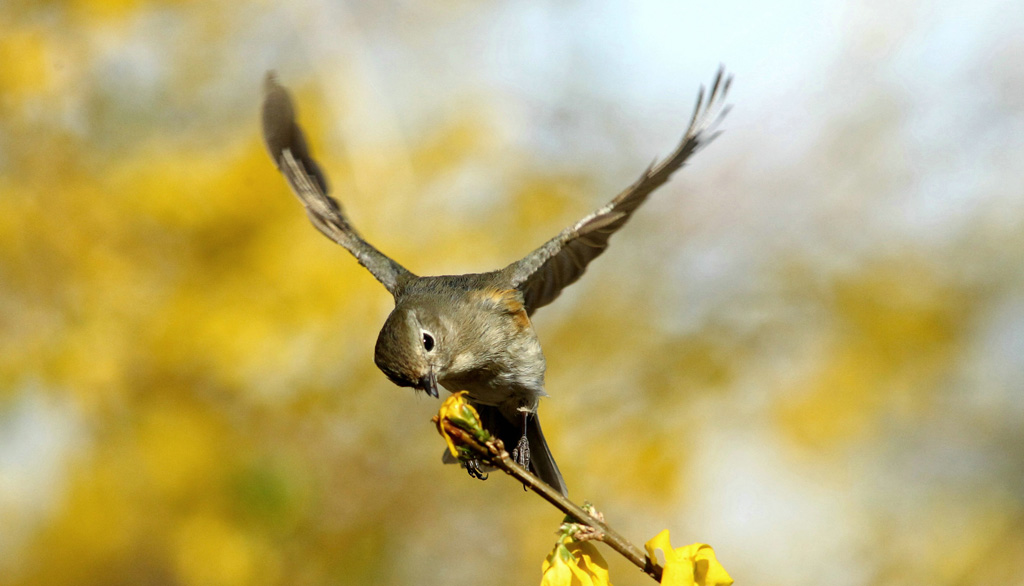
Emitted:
<point x="807" y="350"/>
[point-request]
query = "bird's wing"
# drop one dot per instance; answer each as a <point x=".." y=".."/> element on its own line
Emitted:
<point x="287" y="146"/>
<point x="543" y="273"/>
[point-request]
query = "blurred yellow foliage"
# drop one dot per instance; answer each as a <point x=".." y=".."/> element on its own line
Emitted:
<point x="26" y="70"/>
<point x="104" y="9"/>
<point x="212" y="552"/>
<point x="895" y="335"/>
<point x="210" y="355"/>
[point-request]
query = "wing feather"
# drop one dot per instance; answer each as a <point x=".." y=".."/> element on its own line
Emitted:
<point x="561" y="261"/>
<point x="288" y="148"/>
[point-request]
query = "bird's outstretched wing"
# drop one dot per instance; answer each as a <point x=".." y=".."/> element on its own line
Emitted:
<point x="543" y="273"/>
<point x="287" y="146"/>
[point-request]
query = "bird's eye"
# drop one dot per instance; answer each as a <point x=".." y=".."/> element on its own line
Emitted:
<point x="428" y="342"/>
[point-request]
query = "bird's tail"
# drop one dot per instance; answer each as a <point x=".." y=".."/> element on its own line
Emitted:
<point x="542" y="463"/>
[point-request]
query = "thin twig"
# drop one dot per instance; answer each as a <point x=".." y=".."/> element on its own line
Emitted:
<point x="494" y="454"/>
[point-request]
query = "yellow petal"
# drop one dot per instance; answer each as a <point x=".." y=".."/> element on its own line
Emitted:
<point x="444" y="434"/>
<point x="693" y="565"/>
<point x="459" y="412"/>
<point x="707" y="570"/>
<point x="659" y="541"/>
<point x="576" y="563"/>
<point x="555" y="571"/>
<point x="590" y="568"/>
<point x="557" y="574"/>
<point x="451" y="406"/>
<point x="451" y="444"/>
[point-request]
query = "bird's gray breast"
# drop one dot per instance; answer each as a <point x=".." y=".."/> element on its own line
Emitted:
<point x="497" y="356"/>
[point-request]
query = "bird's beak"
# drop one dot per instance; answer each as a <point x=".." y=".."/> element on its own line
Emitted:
<point x="428" y="384"/>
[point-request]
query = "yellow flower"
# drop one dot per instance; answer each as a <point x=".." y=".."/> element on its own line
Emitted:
<point x="693" y="565"/>
<point x="457" y="411"/>
<point x="574" y="563"/>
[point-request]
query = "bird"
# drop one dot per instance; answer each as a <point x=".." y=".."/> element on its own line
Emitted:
<point x="474" y="332"/>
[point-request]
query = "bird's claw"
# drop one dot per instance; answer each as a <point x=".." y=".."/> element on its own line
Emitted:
<point x="473" y="467"/>
<point x="521" y="454"/>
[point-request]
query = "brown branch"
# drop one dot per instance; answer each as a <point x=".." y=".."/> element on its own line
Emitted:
<point x="494" y="454"/>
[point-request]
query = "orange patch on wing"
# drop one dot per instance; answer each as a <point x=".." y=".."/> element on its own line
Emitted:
<point x="510" y="302"/>
<point x="519" y="314"/>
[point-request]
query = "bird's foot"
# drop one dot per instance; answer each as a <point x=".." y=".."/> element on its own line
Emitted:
<point x="473" y="467"/>
<point x="522" y="452"/>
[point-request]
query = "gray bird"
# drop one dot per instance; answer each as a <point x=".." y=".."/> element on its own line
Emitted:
<point x="473" y="332"/>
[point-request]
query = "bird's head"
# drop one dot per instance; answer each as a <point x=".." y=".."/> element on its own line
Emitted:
<point x="412" y="348"/>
